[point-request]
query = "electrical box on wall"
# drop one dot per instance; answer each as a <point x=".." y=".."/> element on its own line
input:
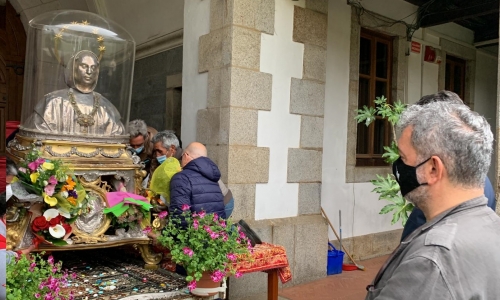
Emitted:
<point x="431" y="55"/>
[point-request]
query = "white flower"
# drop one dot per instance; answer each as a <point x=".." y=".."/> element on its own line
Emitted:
<point x="65" y="194"/>
<point x="45" y="183"/>
<point x="57" y="231"/>
<point x="50" y="214"/>
<point x="64" y="213"/>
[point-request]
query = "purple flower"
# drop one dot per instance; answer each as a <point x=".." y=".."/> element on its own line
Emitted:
<point x="192" y="285"/>
<point x="231" y="256"/>
<point x="52" y="180"/>
<point x="73" y="194"/>
<point x="188" y="251"/>
<point x="49" y="189"/>
<point x="185" y="207"/>
<point x="163" y="214"/>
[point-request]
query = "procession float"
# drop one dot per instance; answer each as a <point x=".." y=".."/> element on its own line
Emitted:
<point x="77" y="187"/>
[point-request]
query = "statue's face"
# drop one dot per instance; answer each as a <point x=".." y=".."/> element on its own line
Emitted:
<point x="86" y="72"/>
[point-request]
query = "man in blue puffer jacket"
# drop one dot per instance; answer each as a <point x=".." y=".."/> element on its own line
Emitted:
<point x="196" y="185"/>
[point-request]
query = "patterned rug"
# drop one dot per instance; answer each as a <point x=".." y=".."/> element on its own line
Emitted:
<point x="116" y="273"/>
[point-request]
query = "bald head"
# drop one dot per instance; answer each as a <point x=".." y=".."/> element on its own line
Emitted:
<point x="193" y="151"/>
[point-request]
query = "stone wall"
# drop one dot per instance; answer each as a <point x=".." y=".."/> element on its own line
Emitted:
<point x="152" y="100"/>
<point x="237" y="91"/>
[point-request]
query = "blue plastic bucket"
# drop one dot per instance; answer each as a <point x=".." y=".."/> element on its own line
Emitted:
<point x="335" y="260"/>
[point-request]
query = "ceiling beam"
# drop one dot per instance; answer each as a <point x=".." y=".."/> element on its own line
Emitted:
<point x="474" y="9"/>
<point x="486" y="34"/>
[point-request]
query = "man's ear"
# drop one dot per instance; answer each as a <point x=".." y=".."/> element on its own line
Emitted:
<point x="435" y="170"/>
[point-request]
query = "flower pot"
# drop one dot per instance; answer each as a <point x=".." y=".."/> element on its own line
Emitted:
<point x="206" y="287"/>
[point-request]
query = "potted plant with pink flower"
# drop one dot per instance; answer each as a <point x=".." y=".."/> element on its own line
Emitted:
<point x="206" y="245"/>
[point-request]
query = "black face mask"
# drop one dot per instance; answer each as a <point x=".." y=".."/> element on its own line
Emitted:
<point x="406" y="175"/>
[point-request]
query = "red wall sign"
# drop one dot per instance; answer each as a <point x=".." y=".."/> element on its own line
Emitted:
<point x="416" y="47"/>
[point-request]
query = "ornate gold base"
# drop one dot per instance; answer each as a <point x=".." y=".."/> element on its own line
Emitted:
<point x="151" y="258"/>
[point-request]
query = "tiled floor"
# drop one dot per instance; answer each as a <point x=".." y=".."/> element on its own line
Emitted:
<point x="350" y="285"/>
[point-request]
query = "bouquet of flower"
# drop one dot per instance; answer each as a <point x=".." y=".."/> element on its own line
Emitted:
<point x="202" y="242"/>
<point x="128" y="210"/>
<point x="54" y="182"/>
<point x="63" y="196"/>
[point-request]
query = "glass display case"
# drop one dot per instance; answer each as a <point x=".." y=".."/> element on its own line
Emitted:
<point x="78" y="77"/>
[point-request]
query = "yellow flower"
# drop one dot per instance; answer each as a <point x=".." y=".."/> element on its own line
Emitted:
<point x="34" y="176"/>
<point x="48" y="166"/>
<point x="52" y="201"/>
<point x="14" y="179"/>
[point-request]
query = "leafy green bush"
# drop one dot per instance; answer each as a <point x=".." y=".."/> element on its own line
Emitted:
<point x="32" y="277"/>
<point x="387" y="187"/>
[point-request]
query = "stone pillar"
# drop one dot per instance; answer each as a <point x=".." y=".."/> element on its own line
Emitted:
<point x="237" y="91"/>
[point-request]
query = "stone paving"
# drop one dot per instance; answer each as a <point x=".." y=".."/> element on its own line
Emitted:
<point x="349" y="285"/>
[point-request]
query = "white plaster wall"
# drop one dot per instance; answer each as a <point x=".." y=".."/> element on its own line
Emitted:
<point x="194" y="85"/>
<point x="485" y="94"/>
<point x="277" y="128"/>
<point x="358" y="204"/>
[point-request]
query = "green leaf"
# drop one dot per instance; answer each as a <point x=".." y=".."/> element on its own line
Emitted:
<point x="380" y="100"/>
<point x="388" y="208"/>
<point x="395" y="218"/>
<point x="391" y="153"/>
<point x="386" y="187"/>
<point x="367" y="115"/>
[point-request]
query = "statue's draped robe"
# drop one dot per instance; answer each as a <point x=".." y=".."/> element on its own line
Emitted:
<point x="55" y="114"/>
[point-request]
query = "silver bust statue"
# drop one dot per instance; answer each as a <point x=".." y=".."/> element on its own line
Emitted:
<point x="78" y="109"/>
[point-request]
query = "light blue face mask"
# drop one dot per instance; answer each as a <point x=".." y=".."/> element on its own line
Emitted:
<point x="161" y="159"/>
<point x="139" y="150"/>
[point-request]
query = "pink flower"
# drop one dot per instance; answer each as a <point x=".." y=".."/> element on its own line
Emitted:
<point x="35" y="164"/>
<point x="21" y="169"/>
<point x="188" y="251"/>
<point x="238" y="274"/>
<point x="163" y="214"/>
<point x="222" y="223"/>
<point x="185" y="207"/>
<point x="32" y="266"/>
<point x="196" y="224"/>
<point x="73" y="275"/>
<point x="52" y="180"/>
<point x="217" y="276"/>
<point x="214" y="235"/>
<point x="37" y="295"/>
<point x="225" y="237"/>
<point x="231" y="256"/>
<point x="147" y="230"/>
<point x="51" y="260"/>
<point x="202" y="214"/>
<point x="216" y="217"/>
<point x="192" y="285"/>
<point x="207" y="228"/>
<point x="49" y="189"/>
<point x="242" y="235"/>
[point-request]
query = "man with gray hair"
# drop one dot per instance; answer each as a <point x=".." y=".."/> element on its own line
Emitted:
<point x="165" y="145"/>
<point x="140" y="141"/>
<point x="445" y="153"/>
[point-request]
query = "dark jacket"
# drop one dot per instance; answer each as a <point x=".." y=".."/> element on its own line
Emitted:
<point x="196" y="185"/>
